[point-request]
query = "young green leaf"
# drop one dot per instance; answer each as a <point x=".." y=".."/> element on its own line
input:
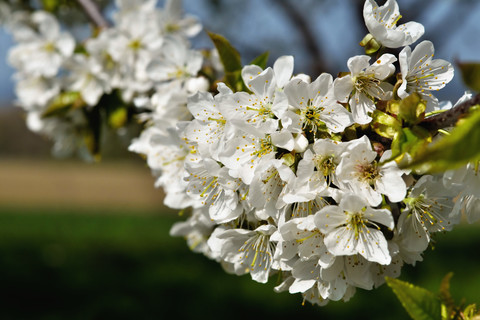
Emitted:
<point x="454" y="150"/>
<point x="231" y="62"/>
<point x="229" y="56"/>
<point x="420" y="303"/>
<point x="261" y="60"/>
<point x="410" y="140"/>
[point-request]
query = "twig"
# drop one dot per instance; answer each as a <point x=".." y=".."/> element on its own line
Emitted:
<point x="450" y="117"/>
<point x="92" y="11"/>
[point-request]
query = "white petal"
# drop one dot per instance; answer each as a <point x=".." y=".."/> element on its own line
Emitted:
<point x="343" y="88"/>
<point x="283" y="69"/>
<point x="357" y="64"/>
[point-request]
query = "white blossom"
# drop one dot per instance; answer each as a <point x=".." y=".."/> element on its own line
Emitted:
<point x="382" y="21"/>
<point x="423" y="74"/>
<point x="353" y="227"/>
<point x="364" y="84"/>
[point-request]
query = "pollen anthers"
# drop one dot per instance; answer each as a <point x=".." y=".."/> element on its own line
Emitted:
<point x="426" y="210"/>
<point x="368" y="84"/>
<point x="357" y="222"/>
<point x="261" y="110"/>
<point x="257" y="252"/>
<point x="311" y="117"/>
<point x="326" y="164"/>
<point x="304" y="209"/>
<point x="367" y="172"/>
<point x="265" y="146"/>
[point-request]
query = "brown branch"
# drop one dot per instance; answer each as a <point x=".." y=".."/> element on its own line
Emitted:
<point x="307" y="34"/>
<point x="449" y="117"/>
<point x="93" y="13"/>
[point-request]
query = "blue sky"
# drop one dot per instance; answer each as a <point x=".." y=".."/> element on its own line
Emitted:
<point x="260" y="25"/>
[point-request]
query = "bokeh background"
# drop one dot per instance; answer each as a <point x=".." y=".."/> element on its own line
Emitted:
<point x="90" y="241"/>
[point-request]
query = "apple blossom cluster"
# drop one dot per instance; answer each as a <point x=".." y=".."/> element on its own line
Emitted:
<point x="291" y="176"/>
<point x="63" y="85"/>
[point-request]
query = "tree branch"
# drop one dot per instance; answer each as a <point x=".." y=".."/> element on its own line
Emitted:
<point x="92" y="11"/>
<point x="449" y="117"/>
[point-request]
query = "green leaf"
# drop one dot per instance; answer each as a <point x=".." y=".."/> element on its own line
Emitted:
<point x="454" y="150"/>
<point x="385" y="125"/>
<point x="63" y="103"/>
<point x="470" y="75"/>
<point x="229" y="56"/>
<point x="231" y="62"/>
<point x="420" y="303"/>
<point x="410" y="140"/>
<point x="261" y="60"/>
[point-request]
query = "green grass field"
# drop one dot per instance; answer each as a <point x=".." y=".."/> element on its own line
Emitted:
<point x="69" y="265"/>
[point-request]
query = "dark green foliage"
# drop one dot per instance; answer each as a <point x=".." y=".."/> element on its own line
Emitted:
<point x="101" y="265"/>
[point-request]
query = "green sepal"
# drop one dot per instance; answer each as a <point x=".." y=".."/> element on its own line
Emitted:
<point x="288" y="159"/>
<point x="63" y="103"/>
<point x="470" y="75"/>
<point x="370" y="44"/>
<point x="385" y="125"/>
<point x="454" y="150"/>
<point x="420" y="303"/>
<point x="261" y="60"/>
<point x="410" y="110"/>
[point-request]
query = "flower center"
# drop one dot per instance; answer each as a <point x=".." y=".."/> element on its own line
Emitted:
<point x="135" y="44"/>
<point x="262" y="111"/>
<point x="367" y="172"/>
<point x="50" y="47"/>
<point x="356" y="222"/>
<point x="311" y="118"/>
<point x="325" y="164"/>
<point x="264" y="148"/>
<point x="426" y="211"/>
<point x="366" y="83"/>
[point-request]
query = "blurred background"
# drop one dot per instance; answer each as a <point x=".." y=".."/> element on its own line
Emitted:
<point x="90" y="241"/>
